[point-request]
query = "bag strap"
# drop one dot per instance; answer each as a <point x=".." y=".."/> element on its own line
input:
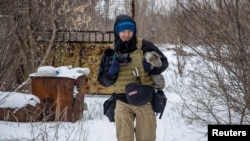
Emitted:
<point x="165" y="98"/>
<point x="139" y="42"/>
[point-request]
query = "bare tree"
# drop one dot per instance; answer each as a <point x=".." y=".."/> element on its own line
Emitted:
<point x="20" y="53"/>
<point x="218" y="32"/>
<point x="155" y="22"/>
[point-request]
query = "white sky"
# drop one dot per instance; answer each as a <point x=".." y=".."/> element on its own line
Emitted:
<point x="96" y="127"/>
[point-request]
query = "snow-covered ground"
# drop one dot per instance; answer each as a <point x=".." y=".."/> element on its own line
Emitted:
<point x="96" y="127"/>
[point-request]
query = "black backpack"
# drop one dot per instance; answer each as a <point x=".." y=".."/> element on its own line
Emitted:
<point x="109" y="108"/>
<point x="159" y="101"/>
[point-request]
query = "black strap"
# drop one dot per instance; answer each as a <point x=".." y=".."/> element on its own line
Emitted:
<point x="121" y="97"/>
<point x="162" y="112"/>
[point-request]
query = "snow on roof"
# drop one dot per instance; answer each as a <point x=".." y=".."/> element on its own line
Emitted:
<point x="62" y="71"/>
<point x="16" y="100"/>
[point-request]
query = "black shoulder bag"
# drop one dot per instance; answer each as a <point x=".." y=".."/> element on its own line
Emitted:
<point x="109" y="108"/>
<point x="159" y="101"/>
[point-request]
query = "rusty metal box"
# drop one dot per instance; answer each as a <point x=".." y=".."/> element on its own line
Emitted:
<point x="57" y="97"/>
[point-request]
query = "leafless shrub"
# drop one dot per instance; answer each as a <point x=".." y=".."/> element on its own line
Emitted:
<point x="20" y="54"/>
<point x="156" y="21"/>
<point x="218" y="32"/>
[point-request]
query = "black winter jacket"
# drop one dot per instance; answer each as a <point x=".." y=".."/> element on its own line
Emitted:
<point x="107" y="79"/>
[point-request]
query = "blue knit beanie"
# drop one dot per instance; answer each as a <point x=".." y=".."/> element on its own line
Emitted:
<point x="125" y="25"/>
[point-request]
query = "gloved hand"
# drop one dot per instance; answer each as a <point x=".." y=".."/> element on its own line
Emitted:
<point x="114" y="67"/>
<point x="147" y="66"/>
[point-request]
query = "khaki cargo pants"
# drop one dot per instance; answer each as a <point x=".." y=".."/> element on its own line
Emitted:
<point x="135" y="120"/>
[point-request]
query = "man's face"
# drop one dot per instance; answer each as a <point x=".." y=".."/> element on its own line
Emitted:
<point x="126" y="35"/>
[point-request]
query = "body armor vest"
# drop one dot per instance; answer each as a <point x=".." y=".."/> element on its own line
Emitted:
<point x="126" y="76"/>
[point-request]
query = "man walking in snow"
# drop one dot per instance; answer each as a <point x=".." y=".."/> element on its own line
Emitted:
<point x="125" y="68"/>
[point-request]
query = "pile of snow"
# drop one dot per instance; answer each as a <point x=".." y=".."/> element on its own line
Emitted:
<point x="62" y="71"/>
<point x="16" y="100"/>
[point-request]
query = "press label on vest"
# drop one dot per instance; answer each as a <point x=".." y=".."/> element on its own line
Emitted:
<point x="132" y="93"/>
<point x="123" y="64"/>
